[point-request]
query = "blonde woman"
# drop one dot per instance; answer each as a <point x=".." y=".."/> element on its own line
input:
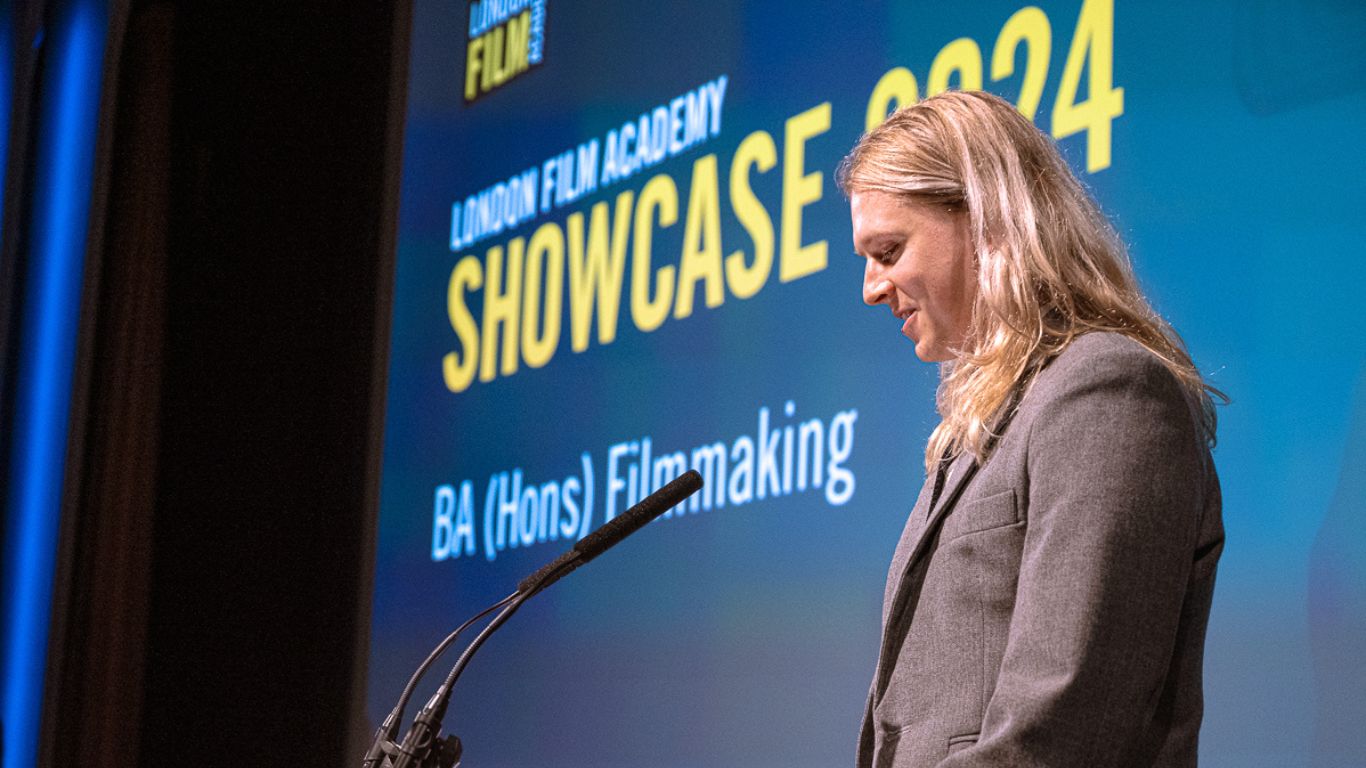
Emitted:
<point x="1047" y="602"/>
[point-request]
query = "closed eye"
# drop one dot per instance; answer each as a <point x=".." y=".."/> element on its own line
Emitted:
<point x="887" y="254"/>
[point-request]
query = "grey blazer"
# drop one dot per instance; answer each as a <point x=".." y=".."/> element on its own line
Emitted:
<point x="1054" y="613"/>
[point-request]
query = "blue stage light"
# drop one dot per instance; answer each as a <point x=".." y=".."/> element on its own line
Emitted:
<point x="68" y="112"/>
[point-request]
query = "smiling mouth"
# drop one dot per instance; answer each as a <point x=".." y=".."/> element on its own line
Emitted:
<point x="905" y="317"/>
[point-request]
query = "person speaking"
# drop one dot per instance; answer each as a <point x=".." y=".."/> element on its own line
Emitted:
<point x="1047" y="602"/>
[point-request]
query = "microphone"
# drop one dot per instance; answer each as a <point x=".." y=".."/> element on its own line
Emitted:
<point x="613" y="531"/>
<point x="423" y="739"/>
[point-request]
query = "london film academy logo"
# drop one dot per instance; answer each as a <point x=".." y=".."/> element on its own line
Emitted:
<point x="507" y="38"/>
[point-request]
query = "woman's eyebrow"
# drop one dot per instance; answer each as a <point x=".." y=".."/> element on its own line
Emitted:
<point x="883" y="239"/>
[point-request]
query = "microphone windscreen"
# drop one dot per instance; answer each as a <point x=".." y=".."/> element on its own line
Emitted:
<point x="533" y="582"/>
<point x="636" y="517"/>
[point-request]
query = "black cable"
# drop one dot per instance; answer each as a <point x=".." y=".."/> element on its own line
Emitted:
<point x="422" y="733"/>
<point x="389" y="729"/>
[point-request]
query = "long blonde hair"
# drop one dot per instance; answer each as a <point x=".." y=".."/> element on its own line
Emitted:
<point x="1050" y="267"/>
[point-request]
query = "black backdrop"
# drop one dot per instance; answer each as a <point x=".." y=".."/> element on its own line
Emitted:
<point x="214" y="551"/>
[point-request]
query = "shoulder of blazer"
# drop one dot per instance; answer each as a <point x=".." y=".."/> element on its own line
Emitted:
<point x="1100" y="356"/>
<point x="1102" y="345"/>
<point x="1108" y="361"/>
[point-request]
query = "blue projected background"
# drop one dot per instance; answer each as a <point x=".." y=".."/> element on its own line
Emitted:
<point x="620" y="236"/>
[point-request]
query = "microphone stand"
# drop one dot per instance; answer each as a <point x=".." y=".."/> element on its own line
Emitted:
<point x="423" y="746"/>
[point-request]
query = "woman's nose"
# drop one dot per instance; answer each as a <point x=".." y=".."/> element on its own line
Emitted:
<point x="876" y="287"/>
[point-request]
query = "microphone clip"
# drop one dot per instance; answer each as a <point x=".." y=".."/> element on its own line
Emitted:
<point x="444" y="752"/>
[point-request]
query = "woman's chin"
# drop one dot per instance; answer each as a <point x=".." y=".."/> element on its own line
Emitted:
<point x="930" y="353"/>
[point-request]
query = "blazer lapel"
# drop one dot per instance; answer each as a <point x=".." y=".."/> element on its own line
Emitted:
<point x="898" y="618"/>
<point x="895" y="622"/>
<point x="910" y="534"/>
<point x="960" y="471"/>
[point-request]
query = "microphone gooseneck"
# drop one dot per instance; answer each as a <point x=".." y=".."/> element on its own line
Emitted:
<point x="422" y="739"/>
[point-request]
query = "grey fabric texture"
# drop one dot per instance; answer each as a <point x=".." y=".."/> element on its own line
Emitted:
<point x="1055" y="613"/>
